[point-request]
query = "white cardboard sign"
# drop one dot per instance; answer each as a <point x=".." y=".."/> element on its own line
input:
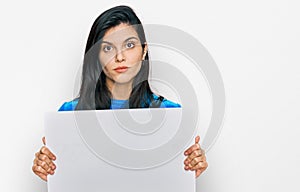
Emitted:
<point x="136" y="150"/>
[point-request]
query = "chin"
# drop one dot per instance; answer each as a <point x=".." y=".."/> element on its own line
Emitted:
<point x="123" y="80"/>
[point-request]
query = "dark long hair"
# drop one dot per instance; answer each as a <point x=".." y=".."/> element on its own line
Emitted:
<point x="94" y="93"/>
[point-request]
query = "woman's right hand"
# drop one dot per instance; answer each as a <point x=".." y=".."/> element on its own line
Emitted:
<point x="43" y="162"/>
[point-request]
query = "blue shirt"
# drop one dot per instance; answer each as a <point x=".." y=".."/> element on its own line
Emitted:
<point x="118" y="104"/>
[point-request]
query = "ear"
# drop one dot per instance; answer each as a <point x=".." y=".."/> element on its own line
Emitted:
<point x="145" y="51"/>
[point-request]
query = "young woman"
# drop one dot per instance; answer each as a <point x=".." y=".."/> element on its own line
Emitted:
<point x="114" y="76"/>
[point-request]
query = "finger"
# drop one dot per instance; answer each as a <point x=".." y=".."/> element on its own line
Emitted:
<point x="191" y="149"/>
<point x="197" y="160"/>
<point x="197" y="139"/>
<point x="42" y="176"/>
<point x="44" y="140"/>
<point x="200" y="165"/>
<point x="186" y="167"/>
<point x="46" y="159"/>
<point x="198" y="173"/>
<point x="202" y="158"/>
<point x="186" y="161"/>
<point x="194" y="154"/>
<point x="46" y="151"/>
<point x="38" y="169"/>
<point x="44" y="165"/>
<point x="38" y="173"/>
<point x="35" y="160"/>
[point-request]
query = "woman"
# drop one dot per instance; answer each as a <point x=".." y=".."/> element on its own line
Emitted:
<point x="115" y="75"/>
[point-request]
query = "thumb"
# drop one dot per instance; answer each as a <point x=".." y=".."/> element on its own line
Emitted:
<point x="44" y="140"/>
<point x="197" y="139"/>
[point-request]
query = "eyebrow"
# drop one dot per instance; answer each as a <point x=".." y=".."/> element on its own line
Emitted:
<point x="124" y="41"/>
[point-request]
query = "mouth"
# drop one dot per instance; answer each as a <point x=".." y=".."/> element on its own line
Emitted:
<point x="121" y="69"/>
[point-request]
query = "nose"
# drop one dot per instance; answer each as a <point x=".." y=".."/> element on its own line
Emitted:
<point x="120" y="56"/>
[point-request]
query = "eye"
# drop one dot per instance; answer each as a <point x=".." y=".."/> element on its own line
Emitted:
<point x="107" y="48"/>
<point x="129" y="45"/>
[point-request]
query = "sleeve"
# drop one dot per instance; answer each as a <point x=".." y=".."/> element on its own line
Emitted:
<point x="169" y="104"/>
<point x="165" y="103"/>
<point x="68" y="106"/>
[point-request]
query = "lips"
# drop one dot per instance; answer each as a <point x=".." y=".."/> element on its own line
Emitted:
<point x="121" y="69"/>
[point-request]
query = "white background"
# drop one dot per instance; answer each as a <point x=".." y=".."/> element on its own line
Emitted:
<point x="254" y="43"/>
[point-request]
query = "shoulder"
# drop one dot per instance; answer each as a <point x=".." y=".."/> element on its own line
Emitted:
<point x="166" y="103"/>
<point x="69" y="106"/>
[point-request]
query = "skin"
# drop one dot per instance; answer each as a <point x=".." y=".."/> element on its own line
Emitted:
<point x="196" y="159"/>
<point x="121" y="47"/>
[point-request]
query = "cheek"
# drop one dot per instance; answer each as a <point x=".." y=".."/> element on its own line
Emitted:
<point x="135" y="70"/>
<point x="134" y="58"/>
<point x="106" y="61"/>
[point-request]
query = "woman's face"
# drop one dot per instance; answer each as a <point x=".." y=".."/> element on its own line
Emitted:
<point x="121" y="54"/>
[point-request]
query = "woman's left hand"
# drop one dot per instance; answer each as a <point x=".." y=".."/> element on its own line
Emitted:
<point x="196" y="160"/>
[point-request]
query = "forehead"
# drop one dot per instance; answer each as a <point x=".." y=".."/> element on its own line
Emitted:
<point x="120" y="33"/>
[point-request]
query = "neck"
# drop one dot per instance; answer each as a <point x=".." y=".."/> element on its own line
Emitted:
<point x="120" y="91"/>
